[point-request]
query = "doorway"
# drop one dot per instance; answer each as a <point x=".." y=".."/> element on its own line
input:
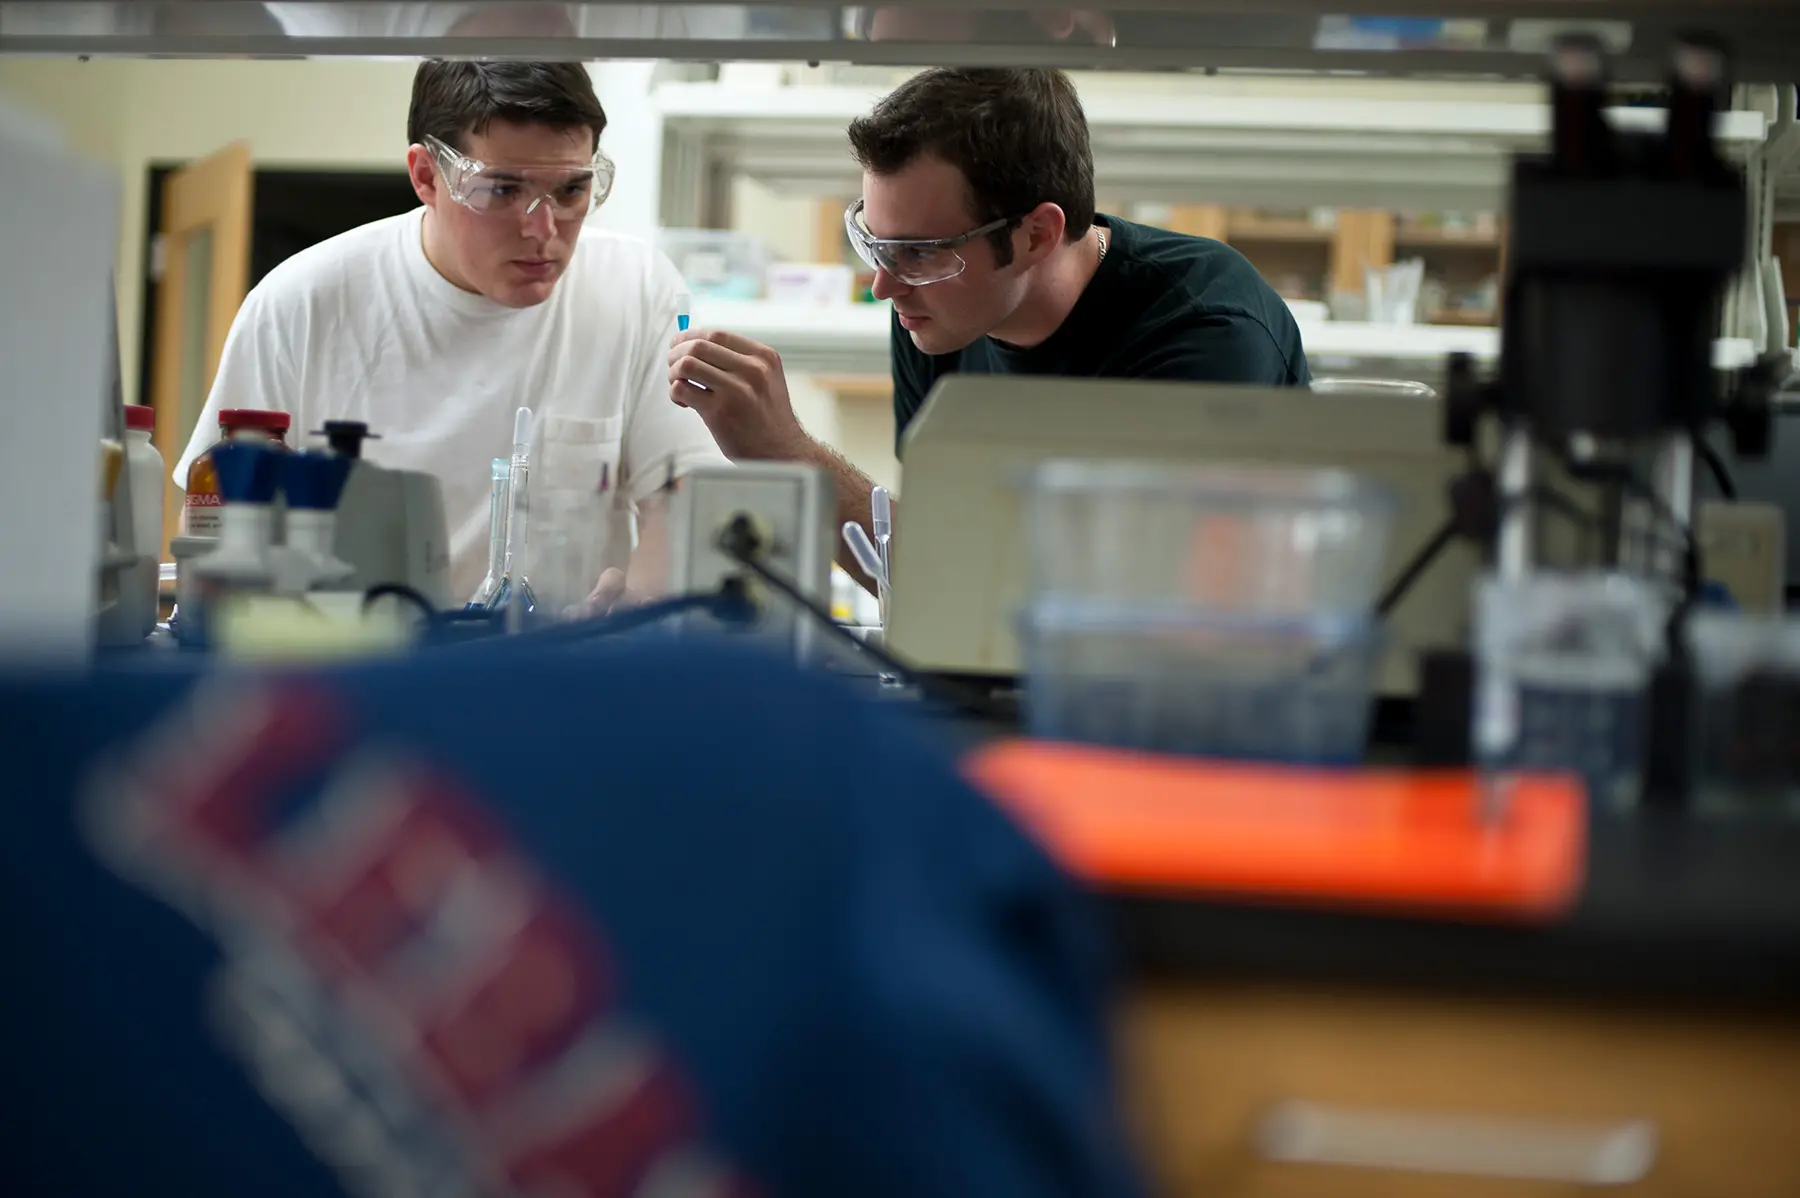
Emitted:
<point x="290" y="210"/>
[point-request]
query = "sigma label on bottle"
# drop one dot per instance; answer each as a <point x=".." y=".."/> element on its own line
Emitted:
<point x="200" y="507"/>
<point x="200" y="513"/>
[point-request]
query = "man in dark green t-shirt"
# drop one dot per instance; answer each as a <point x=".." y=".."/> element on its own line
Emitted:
<point x="977" y="215"/>
<point x="1159" y="305"/>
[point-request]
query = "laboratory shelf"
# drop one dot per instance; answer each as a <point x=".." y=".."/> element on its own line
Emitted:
<point x="1156" y="143"/>
<point x="1437" y="239"/>
<point x="853" y="338"/>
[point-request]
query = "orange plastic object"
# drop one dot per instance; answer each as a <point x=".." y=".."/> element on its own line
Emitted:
<point x="1410" y="840"/>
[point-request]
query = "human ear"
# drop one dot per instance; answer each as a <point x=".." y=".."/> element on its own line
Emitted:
<point x="1043" y="229"/>
<point x="421" y="168"/>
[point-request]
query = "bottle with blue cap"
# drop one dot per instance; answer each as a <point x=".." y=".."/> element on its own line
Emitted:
<point x="248" y="475"/>
<point x="313" y="482"/>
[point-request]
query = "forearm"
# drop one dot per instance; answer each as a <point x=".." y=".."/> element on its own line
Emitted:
<point x="648" y="574"/>
<point x="853" y="506"/>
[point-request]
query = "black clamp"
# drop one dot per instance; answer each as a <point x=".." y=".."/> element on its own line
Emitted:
<point x="345" y="437"/>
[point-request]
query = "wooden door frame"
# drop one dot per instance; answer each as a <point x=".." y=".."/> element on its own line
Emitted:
<point x="212" y="194"/>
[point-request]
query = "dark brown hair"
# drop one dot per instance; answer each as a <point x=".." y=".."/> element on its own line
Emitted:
<point x="451" y="99"/>
<point x="1018" y="136"/>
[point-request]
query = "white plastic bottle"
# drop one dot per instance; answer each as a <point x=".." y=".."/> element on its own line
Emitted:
<point x="145" y="475"/>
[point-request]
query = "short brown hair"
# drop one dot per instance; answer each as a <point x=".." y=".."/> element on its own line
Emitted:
<point x="452" y="99"/>
<point x="1018" y="136"/>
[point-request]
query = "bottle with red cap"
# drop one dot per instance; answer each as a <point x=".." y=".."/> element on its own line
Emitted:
<point x="200" y="512"/>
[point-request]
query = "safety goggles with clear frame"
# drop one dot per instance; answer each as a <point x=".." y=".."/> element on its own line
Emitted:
<point x="516" y="189"/>
<point x="915" y="261"/>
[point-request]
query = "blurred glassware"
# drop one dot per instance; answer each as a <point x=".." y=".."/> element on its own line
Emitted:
<point x="1563" y="665"/>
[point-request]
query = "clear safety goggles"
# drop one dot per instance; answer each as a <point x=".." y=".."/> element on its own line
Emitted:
<point x="914" y="261"/>
<point x="516" y="189"/>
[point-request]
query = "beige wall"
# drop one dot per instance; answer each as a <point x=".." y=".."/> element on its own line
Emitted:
<point x="132" y="113"/>
<point x="788" y="224"/>
<point x="866" y="437"/>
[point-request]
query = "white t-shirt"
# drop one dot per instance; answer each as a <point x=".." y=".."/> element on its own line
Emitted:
<point x="363" y="327"/>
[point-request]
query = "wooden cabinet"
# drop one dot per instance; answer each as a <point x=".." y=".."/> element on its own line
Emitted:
<point x="1786" y="247"/>
<point x="1305" y="258"/>
<point x="1364" y="239"/>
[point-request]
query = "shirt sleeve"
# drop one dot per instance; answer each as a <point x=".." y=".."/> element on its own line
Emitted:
<point x="258" y="369"/>
<point x="1217" y="349"/>
<point x="661" y="437"/>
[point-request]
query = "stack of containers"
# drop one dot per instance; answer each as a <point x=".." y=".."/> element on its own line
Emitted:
<point x="1202" y="609"/>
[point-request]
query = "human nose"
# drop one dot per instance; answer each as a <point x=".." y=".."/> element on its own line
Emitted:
<point x="540" y="221"/>
<point x="886" y="286"/>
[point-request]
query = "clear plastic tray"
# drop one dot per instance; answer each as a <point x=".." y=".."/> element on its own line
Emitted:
<point x="1747" y="714"/>
<point x="1260" y="688"/>
<point x="1255" y="540"/>
<point x="717" y="263"/>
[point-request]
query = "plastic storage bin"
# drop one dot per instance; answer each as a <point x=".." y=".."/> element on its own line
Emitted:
<point x="1291" y="690"/>
<point x="1564" y="663"/>
<point x="1252" y="540"/>
<point x="1747" y="710"/>
<point x="717" y="263"/>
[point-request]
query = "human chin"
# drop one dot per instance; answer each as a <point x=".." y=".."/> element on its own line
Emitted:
<point x="523" y="285"/>
<point x="931" y="337"/>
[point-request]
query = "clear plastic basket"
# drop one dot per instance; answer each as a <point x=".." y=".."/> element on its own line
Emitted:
<point x="1255" y="540"/>
<point x="1747" y="720"/>
<point x="717" y="263"/>
<point x="1253" y="687"/>
<point x="1564" y="667"/>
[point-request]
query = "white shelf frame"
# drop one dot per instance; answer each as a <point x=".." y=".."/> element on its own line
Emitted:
<point x="1159" y="145"/>
<point x="853" y="339"/>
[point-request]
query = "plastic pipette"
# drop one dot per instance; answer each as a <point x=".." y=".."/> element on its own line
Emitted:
<point x="869" y="558"/>
<point x="863" y="550"/>
<point x="881" y="523"/>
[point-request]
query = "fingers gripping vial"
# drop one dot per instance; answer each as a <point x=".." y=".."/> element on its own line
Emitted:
<point x="683" y="318"/>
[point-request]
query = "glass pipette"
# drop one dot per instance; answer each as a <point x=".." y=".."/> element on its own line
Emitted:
<point x="513" y="583"/>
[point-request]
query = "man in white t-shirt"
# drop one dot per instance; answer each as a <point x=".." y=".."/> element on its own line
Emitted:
<point x="436" y="326"/>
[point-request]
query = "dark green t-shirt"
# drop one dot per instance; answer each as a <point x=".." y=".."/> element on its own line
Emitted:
<point x="1162" y="306"/>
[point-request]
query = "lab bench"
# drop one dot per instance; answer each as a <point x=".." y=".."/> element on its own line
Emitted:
<point x="1646" y="1042"/>
<point x="1663" y="1006"/>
